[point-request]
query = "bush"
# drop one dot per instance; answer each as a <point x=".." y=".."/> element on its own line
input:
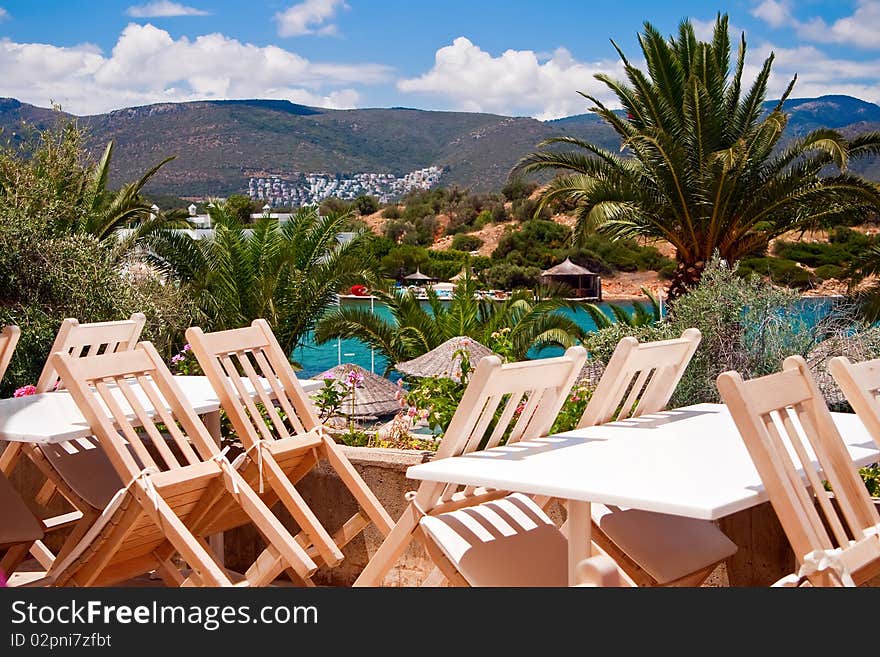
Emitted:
<point x="391" y="212"/>
<point x="779" y="271"/>
<point x="366" y="204"/>
<point x="826" y="272"/>
<point x="46" y="280"/>
<point x="466" y="243"/>
<point x="516" y="188"/>
<point x="506" y="276"/>
<point x="746" y="326"/>
<point x="334" y="205"/>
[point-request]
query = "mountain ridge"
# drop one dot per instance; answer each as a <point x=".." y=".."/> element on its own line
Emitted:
<point x="219" y="143"/>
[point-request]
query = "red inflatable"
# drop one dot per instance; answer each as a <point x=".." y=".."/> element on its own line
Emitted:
<point x="359" y="290"/>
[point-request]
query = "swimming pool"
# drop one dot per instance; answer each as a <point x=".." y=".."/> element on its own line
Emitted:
<point x="317" y="358"/>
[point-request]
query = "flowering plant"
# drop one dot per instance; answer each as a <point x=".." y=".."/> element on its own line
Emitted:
<point x="24" y="391"/>
<point x="573" y="408"/>
<point x="185" y="363"/>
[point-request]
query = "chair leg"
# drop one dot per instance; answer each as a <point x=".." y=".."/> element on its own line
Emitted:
<point x="391" y="549"/>
<point x="13" y="558"/>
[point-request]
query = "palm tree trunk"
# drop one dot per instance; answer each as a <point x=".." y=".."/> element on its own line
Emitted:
<point x="686" y="276"/>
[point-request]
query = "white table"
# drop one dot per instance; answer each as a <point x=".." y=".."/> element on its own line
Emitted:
<point x="54" y="417"/>
<point x="689" y="461"/>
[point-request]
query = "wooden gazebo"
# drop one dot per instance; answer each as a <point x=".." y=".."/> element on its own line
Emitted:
<point x="587" y="285"/>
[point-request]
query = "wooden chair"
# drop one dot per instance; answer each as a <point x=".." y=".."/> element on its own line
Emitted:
<point x="507" y="542"/>
<point x="79" y="470"/>
<point x="8" y="340"/>
<point x="860" y="384"/>
<point x="540" y="385"/>
<point x="281" y="433"/>
<point x="176" y="481"/>
<point x="19" y="529"/>
<point x="785" y="424"/>
<point x="653" y="549"/>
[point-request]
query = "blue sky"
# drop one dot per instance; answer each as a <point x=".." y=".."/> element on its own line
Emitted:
<point x="508" y="57"/>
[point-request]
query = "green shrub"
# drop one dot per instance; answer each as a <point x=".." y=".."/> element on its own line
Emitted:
<point x="826" y="272"/>
<point x="392" y="212"/>
<point x="366" y="204"/>
<point x="778" y="270"/>
<point x="746" y="325"/>
<point x="506" y="276"/>
<point x="466" y="243"/>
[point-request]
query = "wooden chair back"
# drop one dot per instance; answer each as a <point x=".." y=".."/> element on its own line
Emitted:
<point x="90" y="340"/>
<point x="8" y="339"/>
<point x="640" y="378"/>
<point x="530" y="393"/>
<point x="786" y="426"/>
<point x="130" y="435"/>
<point x="860" y="384"/>
<point x="253" y="352"/>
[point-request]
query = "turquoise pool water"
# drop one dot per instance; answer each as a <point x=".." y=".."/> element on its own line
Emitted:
<point x="316" y="359"/>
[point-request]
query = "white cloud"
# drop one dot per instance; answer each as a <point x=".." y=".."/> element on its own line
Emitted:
<point x="163" y="8"/>
<point x="859" y="29"/>
<point x="817" y="73"/>
<point x="775" y="13"/>
<point x="309" y="17"/>
<point x="515" y="82"/>
<point x="147" y="66"/>
<point x="3" y="14"/>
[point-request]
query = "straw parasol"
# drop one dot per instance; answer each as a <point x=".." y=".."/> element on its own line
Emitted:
<point x="374" y="396"/>
<point x="464" y="273"/>
<point x="419" y="276"/>
<point x="568" y="272"/>
<point x="445" y="360"/>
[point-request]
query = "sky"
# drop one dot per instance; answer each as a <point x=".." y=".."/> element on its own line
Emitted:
<point x="507" y="57"/>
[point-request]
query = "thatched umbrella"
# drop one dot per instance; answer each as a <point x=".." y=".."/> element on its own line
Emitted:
<point x="417" y="275"/>
<point x="445" y="360"/>
<point x="591" y="373"/>
<point x="374" y="396"/>
<point x="568" y="272"/>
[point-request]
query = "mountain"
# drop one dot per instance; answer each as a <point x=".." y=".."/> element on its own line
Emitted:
<point x="219" y="144"/>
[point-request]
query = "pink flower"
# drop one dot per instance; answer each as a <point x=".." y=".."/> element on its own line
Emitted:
<point x="519" y="409"/>
<point x="425" y="414"/>
<point x="24" y="391"/>
<point x="354" y="378"/>
<point x="176" y="358"/>
<point x="328" y="376"/>
<point x="412" y="411"/>
<point x="186" y="347"/>
<point x="575" y="398"/>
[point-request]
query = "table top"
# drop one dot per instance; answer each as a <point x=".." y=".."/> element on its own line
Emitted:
<point x="689" y="461"/>
<point x="53" y="417"/>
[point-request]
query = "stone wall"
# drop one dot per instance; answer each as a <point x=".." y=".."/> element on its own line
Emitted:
<point x="384" y="471"/>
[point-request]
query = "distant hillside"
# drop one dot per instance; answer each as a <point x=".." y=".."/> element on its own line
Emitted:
<point x="220" y="143"/>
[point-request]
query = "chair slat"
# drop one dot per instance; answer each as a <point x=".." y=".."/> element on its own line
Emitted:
<point x="797" y="503"/>
<point x="249" y="371"/>
<point x="122" y="421"/>
<point x="160" y="405"/>
<point x="148" y="425"/>
<point x="639" y="378"/>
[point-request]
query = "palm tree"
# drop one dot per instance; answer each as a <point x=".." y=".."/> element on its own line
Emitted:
<point x="287" y="273"/>
<point x="640" y="316"/>
<point x="511" y="328"/>
<point x="112" y="209"/>
<point x="708" y="170"/>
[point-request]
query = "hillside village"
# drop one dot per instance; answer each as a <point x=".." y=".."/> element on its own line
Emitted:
<point x="310" y="188"/>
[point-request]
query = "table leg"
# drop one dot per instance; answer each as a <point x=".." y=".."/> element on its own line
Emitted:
<point x="212" y="422"/>
<point x="578" y="536"/>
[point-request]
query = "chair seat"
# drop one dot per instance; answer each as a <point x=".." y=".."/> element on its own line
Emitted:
<point x="666" y="546"/>
<point x="17" y="523"/>
<point x="506" y="542"/>
<point x="84" y="466"/>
